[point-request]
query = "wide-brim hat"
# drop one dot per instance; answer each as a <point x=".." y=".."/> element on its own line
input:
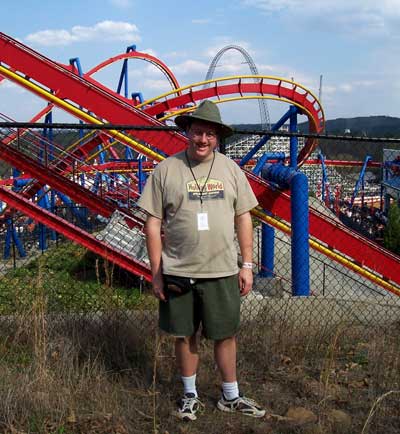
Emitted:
<point x="207" y="111"/>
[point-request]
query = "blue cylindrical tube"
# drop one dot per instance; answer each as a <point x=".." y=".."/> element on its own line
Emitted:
<point x="267" y="251"/>
<point x="300" y="235"/>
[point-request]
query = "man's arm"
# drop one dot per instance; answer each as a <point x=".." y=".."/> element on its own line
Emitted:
<point x="154" y="248"/>
<point x="244" y="231"/>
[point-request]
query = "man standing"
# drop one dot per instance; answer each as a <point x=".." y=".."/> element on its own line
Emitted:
<point x="199" y="197"/>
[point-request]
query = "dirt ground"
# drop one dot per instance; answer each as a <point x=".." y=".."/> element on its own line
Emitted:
<point x="112" y="377"/>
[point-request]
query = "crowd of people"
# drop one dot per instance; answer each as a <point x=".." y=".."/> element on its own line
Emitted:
<point x="368" y="220"/>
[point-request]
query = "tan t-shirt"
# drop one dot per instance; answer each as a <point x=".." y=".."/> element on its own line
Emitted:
<point x="172" y="194"/>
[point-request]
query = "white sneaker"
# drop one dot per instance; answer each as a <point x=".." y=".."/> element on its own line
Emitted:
<point x="188" y="406"/>
<point x="241" y="404"/>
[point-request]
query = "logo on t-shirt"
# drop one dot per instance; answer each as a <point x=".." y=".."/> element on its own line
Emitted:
<point x="214" y="189"/>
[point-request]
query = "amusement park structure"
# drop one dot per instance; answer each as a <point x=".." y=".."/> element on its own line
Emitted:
<point x="103" y="172"/>
<point x="264" y="113"/>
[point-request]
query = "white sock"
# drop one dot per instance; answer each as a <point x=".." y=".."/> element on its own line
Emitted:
<point x="189" y="385"/>
<point x="230" y="390"/>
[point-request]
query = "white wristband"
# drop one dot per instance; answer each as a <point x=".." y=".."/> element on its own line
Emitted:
<point x="248" y="265"/>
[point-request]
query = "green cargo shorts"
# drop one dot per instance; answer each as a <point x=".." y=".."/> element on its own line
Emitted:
<point x="213" y="303"/>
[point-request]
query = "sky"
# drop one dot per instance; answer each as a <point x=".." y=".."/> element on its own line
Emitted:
<point x="353" y="44"/>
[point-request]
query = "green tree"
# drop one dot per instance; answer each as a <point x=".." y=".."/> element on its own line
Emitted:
<point x="391" y="236"/>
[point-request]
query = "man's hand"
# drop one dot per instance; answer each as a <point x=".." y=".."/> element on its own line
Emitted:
<point x="154" y="248"/>
<point x="158" y="288"/>
<point x="245" y="281"/>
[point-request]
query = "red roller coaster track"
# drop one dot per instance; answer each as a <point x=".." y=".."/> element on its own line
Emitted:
<point x="114" y="108"/>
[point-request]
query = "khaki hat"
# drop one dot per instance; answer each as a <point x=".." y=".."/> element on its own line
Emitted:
<point x="207" y="111"/>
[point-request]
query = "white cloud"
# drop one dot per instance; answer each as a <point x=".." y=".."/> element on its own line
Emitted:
<point x="161" y="85"/>
<point x="272" y="5"/>
<point x="362" y="17"/>
<point x="346" y="87"/>
<point x="102" y="31"/>
<point x="201" y="21"/>
<point x="142" y="69"/>
<point x="175" y="54"/>
<point x="365" y="83"/>
<point x="122" y="4"/>
<point x="150" y="51"/>
<point x="189" y="67"/>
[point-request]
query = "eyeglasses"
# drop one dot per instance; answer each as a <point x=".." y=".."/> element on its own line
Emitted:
<point x="199" y="133"/>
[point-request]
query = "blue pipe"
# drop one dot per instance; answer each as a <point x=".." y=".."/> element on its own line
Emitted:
<point x="280" y="156"/>
<point x="267" y="251"/>
<point x="12" y="235"/>
<point x="137" y="96"/>
<point x="75" y="211"/>
<point x="293" y="140"/>
<point x="300" y="235"/>
<point x="288" y="177"/>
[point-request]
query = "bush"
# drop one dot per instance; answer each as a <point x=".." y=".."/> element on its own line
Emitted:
<point x="392" y="232"/>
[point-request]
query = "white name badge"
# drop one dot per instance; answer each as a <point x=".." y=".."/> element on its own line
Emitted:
<point x="202" y="221"/>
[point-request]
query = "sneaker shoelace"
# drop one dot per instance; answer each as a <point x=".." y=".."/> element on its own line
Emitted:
<point x="248" y="402"/>
<point x="189" y="402"/>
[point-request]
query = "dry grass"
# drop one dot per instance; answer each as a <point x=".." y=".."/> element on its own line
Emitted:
<point x="114" y="373"/>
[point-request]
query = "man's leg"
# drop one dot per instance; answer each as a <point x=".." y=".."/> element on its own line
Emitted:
<point x="187" y="359"/>
<point x="187" y="356"/>
<point x="225" y="357"/>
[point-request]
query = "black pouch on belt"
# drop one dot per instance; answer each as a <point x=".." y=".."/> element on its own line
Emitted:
<point x="176" y="284"/>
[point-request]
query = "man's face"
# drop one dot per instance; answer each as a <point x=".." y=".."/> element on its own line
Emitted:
<point x="203" y="139"/>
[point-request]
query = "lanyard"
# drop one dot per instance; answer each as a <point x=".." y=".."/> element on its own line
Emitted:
<point x="195" y="180"/>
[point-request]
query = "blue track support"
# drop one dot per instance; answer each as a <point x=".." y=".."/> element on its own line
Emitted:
<point x="123" y="77"/>
<point x="12" y="235"/>
<point x="266" y="157"/>
<point x="44" y="203"/>
<point x="325" y="182"/>
<point x="128" y="153"/>
<point x="298" y="183"/>
<point x="300" y="235"/>
<point x="264" y="139"/>
<point x="267" y="251"/>
<point x="123" y="81"/>
<point x="81" y="216"/>
<point x="20" y="183"/>
<point x="360" y="181"/>
<point x="293" y="140"/>
<point x="137" y="96"/>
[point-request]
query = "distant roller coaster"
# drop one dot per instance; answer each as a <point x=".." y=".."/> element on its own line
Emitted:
<point x="264" y="113"/>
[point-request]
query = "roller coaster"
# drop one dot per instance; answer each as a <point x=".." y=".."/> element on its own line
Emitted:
<point x="91" y="172"/>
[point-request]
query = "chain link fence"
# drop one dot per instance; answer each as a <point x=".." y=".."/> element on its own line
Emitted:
<point x="337" y="294"/>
